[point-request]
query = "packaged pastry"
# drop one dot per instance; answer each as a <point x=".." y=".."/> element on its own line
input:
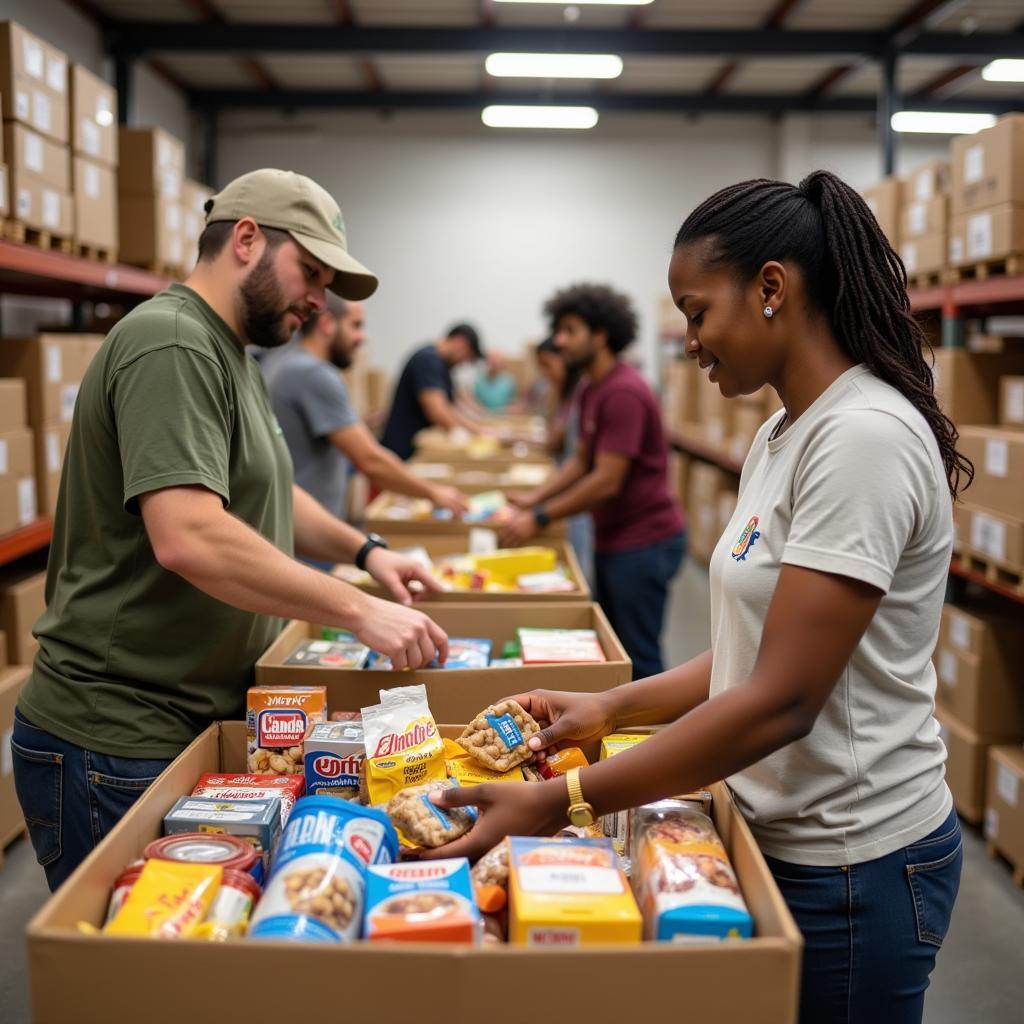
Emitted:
<point x="421" y="901"/>
<point x="168" y="900"/>
<point x="276" y="720"/>
<point x="402" y="744"/>
<point x="497" y="738"/>
<point x="420" y="822"/>
<point x="684" y="883"/>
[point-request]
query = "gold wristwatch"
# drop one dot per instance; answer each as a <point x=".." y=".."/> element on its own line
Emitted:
<point x="580" y="813"/>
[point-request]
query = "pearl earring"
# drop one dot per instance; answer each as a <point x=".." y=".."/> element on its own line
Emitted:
<point x="769" y="312"/>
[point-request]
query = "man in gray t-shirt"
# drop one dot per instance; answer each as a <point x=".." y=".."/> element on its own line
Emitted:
<point x="322" y="429"/>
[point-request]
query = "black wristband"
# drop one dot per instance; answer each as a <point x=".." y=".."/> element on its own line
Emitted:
<point x="373" y="540"/>
<point x="540" y="517"/>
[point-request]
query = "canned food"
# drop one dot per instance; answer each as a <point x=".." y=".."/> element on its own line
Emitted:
<point x="232" y="907"/>
<point x="317" y="887"/>
<point x="123" y="886"/>
<point x="208" y="848"/>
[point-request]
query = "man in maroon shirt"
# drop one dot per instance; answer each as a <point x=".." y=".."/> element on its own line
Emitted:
<point x="618" y="473"/>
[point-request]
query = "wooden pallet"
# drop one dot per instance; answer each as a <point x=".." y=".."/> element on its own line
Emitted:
<point x="1008" y="266"/>
<point x="91" y="252"/>
<point x="9" y="841"/>
<point x="1013" y="579"/>
<point x="926" y="279"/>
<point x="15" y="231"/>
<point x="994" y="853"/>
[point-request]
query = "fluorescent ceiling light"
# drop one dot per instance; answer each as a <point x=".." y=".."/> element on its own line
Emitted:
<point x="507" y="116"/>
<point x="553" y="65"/>
<point x="580" y="3"/>
<point x="935" y="122"/>
<point x="1004" y="70"/>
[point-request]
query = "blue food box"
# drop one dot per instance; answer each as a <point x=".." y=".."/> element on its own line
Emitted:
<point x="256" y="821"/>
<point x="332" y="757"/>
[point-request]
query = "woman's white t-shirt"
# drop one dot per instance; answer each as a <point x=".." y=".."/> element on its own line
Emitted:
<point x="854" y="487"/>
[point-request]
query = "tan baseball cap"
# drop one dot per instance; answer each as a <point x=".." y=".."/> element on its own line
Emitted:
<point x="294" y="203"/>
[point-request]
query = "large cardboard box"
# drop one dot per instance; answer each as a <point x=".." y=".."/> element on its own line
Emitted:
<point x="40" y="207"/>
<point x="150" y="231"/>
<point x="476" y="481"/>
<point x="966" y="764"/>
<point x="33" y="82"/>
<point x="95" y="192"/>
<point x="193" y="217"/>
<point x="11" y="819"/>
<point x="151" y="164"/>
<point x="18" y="503"/>
<point x="72" y="975"/>
<point x="998" y="457"/>
<point x="51" y="444"/>
<point x="967" y="383"/>
<point x="680" y="394"/>
<point x="13" y="403"/>
<point x="460" y="694"/>
<point x="990" y="535"/>
<point x="30" y="153"/>
<point x="925" y="254"/>
<point x="22" y="601"/>
<point x="52" y="366"/>
<point x="927" y="182"/>
<point x="383" y="517"/>
<point x="706" y="484"/>
<point x="1004" y="810"/>
<point x="927" y="218"/>
<point x="1011" y="401"/>
<point x="884" y="200"/>
<point x="93" y="106"/>
<point x="440" y="545"/>
<point x="378" y="390"/>
<point x="988" y="167"/>
<point x="715" y="413"/>
<point x="990" y="234"/>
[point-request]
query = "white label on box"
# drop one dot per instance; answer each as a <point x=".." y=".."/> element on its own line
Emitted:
<point x="51" y="208"/>
<point x="988" y="535"/>
<point x="91" y="181"/>
<point x="52" y="452"/>
<point x="33" y="152"/>
<point x="6" y="754"/>
<point x="42" y="116"/>
<point x="909" y="255"/>
<point x="172" y="217"/>
<point x="3" y="458"/>
<point x="170" y="184"/>
<point x="997" y="457"/>
<point x="481" y="541"/>
<point x="974" y="164"/>
<point x="1007" y="785"/>
<point x="26" y="500"/>
<point x="57" y="74"/>
<point x="947" y="667"/>
<point x="1014" y="409"/>
<point x="163" y="152"/>
<point x="924" y="185"/>
<point x="991" y="823"/>
<point x="54" y="364"/>
<point x="22" y="105"/>
<point x="174" y="251"/>
<point x="32" y="57"/>
<point x="960" y="632"/>
<point x="104" y="112"/>
<point x="956" y="249"/>
<point x="917" y="218"/>
<point x="569" y="878"/>
<point x="979" y="236"/>
<point x="23" y="203"/>
<point x="90" y="136"/>
<point x="68" y="395"/>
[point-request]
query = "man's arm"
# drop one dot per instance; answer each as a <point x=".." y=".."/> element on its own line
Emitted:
<point x="604" y="481"/>
<point x="442" y="413"/>
<point x="193" y="535"/>
<point x="319" y="535"/>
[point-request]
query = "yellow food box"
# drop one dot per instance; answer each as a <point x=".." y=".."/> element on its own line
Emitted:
<point x="565" y="893"/>
<point x="616" y="825"/>
<point x="506" y="565"/>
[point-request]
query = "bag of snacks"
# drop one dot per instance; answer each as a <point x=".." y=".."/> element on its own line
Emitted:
<point x="169" y="900"/>
<point x="422" y="823"/>
<point x="497" y="737"/>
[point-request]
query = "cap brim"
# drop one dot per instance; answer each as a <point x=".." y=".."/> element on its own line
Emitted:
<point x="351" y="279"/>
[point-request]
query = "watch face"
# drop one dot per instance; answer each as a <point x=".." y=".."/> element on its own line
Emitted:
<point x="581" y="816"/>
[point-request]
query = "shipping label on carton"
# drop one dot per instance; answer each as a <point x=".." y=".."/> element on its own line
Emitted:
<point x="277" y="719"/>
<point x="333" y="755"/>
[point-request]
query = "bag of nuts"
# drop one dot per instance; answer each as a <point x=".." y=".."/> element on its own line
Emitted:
<point x="422" y="823"/>
<point x="276" y="721"/>
<point x="497" y="737"/>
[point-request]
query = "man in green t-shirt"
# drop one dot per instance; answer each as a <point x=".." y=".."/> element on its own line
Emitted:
<point x="171" y="564"/>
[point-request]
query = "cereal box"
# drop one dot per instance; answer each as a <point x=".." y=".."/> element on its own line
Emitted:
<point x="569" y="892"/>
<point x="616" y="826"/>
<point x="333" y="755"/>
<point x="421" y="901"/>
<point x="277" y="719"/>
<point x="286" y="788"/>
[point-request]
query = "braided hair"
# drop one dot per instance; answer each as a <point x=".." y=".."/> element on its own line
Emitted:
<point x="852" y="274"/>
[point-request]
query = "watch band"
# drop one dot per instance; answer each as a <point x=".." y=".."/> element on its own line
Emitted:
<point x="540" y="516"/>
<point x="373" y="541"/>
<point x="572" y="782"/>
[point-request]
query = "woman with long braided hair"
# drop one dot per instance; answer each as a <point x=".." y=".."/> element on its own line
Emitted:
<point x="816" y="698"/>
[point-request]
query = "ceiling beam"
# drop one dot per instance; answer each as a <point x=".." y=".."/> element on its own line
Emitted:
<point x="367" y="69"/>
<point x="758" y="103"/>
<point x="942" y="83"/>
<point x="208" y="14"/>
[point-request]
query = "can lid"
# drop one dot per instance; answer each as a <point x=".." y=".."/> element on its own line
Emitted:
<point x="203" y="848"/>
<point x="129" y="876"/>
<point x="242" y="880"/>
<point x="348" y="809"/>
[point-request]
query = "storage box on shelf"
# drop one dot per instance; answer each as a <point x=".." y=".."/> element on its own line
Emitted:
<point x="93" y="132"/>
<point x="707" y="484"/>
<point x="51" y="444"/>
<point x="1004" y="810"/>
<point x="33" y="82"/>
<point x="12" y="822"/>
<point x="924" y="222"/>
<point x="194" y="196"/>
<point x="22" y="601"/>
<point x="884" y="201"/>
<point x="73" y="974"/>
<point x="967" y="384"/>
<point x="998" y="457"/>
<point x="475" y="480"/>
<point x="457" y="694"/>
<point x="1011" y="401"/>
<point x="40" y="187"/>
<point x="679" y="403"/>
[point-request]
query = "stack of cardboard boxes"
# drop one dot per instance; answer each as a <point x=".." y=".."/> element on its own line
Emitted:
<point x="924" y="221"/>
<point x="17" y="458"/>
<point x="193" y="219"/>
<point x="885" y="201"/>
<point x="150" y="184"/>
<point x="93" y="132"/>
<point x="988" y="195"/>
<point x="11" y="820"/>
<point x="34" y="98"/>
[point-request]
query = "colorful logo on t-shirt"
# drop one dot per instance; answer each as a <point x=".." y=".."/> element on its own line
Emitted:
<point x="748" y="538"/>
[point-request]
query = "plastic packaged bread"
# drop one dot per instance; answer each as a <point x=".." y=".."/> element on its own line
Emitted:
<point x="422" y="823"/>
<point x="497" y="738"/>
<point x="682" y="877"/>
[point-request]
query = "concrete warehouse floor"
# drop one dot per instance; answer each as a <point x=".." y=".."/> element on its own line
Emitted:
<point x="978" y="976"/>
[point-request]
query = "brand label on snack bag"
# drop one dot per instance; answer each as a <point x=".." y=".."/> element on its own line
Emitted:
<point x="507" y="730"/>
<point x="280" y="728"/>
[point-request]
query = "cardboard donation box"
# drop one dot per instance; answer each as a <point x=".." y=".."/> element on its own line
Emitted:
<point x="33" y="82"/>
<point x="988" y="167"/>
<point x="457" y="694"/>
<point x="22" y="601"/>
<point x="72" y="975"/>
<point x="1004" y="809"/>
<point x="95" y="188"/>
<point x="967" y="384"/>
<point x="883" y="201"/>
<point x="998" y="457"/>
<point x="11" y="819"/>
<point x="93" y="117"/>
